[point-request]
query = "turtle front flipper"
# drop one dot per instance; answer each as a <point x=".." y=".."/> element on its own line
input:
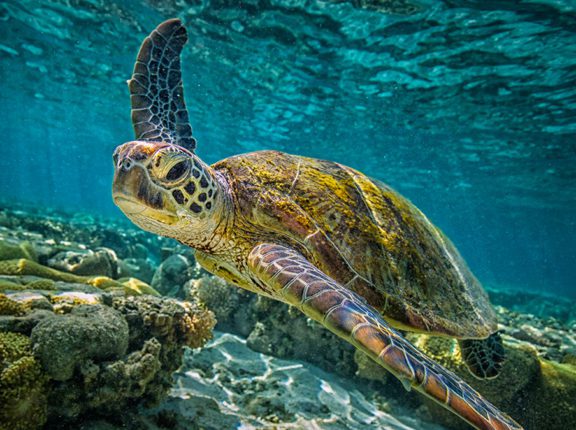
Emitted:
<point x="288" y="276"/>
<point x="156" y="93"/>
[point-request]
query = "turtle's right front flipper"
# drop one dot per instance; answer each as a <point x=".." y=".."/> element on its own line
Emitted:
<point x="287" y="275"/>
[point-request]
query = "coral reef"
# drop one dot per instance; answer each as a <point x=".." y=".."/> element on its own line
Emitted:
<point x="172" y="321"/>
<point x="275" y="329"/>
<point x="107" y="357"/>
<point x="54" y="232"/>
<point x="25" y="274"/>
<point x="159" y="328"/>
<point x="227" y="385"/>
<point x="11" y="307"/>
<point x="97" y="352"/>
<point x="88" y="332"/>
<point x="23" y="385"/>
<point x="553" y="339"/>
<point x="224" y="301"/>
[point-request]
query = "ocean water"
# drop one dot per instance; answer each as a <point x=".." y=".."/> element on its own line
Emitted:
<point x="468" y="108"/>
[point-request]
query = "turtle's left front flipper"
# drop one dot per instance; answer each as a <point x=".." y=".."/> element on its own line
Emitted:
<point x="290" y="277"/>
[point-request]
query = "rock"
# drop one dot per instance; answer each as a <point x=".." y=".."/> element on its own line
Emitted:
<point x="569" y="358"/>
<point x="102" y="262"/>
<point x="172" y="274"/>
<point x="10" y="250"/>
<point x="109" y="387"/>
<point x="136" y="268"/>
<point x="7" y="283"/>
<point x="369" y="369"/>
<point x="23" y="324"/>
<point x="227" y="385"/>
<point x="32" y="300"/>
<point x="87" y="333"/>
<point x="548" y="401"/>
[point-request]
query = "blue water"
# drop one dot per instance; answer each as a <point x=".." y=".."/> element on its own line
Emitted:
<point x="466" y="107"/>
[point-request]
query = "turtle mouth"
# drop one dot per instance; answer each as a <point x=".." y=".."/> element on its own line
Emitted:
<point x="129" y="206"/>
<point x="137" y="197"/>
<point x="134" y="209"/>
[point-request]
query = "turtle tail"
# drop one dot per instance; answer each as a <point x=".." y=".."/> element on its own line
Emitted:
<point x="484" y="357"/>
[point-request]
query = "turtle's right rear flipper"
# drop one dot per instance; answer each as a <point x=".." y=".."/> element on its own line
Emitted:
<point x="284" y="273"/>
<point x="484" y="357"/>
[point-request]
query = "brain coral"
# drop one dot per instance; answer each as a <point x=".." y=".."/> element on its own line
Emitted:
<point x="87" y="332"/>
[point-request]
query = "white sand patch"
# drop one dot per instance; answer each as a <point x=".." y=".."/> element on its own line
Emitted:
<point x="228" y="386"/>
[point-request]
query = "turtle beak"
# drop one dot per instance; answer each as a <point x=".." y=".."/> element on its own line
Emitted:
<point x="135" y="195"/>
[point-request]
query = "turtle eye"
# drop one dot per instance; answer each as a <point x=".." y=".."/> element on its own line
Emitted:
<point x="170" y="166"/>
<point x="178" y="170"/>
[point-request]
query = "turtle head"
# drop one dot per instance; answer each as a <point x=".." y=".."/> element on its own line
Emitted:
<point x="159" y="182"/>
<point x="163" y="187"/>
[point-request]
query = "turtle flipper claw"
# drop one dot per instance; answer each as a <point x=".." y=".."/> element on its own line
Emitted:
<point x="288" y="276"/>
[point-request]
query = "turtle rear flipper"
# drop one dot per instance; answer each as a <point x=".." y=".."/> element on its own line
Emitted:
<point x="484" y="357"/>
<point x="288" y="276"/>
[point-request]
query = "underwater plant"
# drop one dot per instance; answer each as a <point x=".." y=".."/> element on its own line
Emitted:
<point x="346" y="250"/>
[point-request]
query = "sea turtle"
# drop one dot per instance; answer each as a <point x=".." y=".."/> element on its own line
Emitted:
<point x="346" y="250"/>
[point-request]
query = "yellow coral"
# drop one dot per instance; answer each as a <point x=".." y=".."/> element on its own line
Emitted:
<point x="102" y="282"/>
<point x="136" y="287"/>
<point x="23" y="391"/>
<point x="75" y="298"/>
<point x="10" y="307"/>
<point x="196" y="326"/>
<point x="29" y="267"/>
<point x="12" y="345"/>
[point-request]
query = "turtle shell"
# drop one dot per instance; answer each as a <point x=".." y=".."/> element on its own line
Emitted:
<point x="363" y="234"/>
